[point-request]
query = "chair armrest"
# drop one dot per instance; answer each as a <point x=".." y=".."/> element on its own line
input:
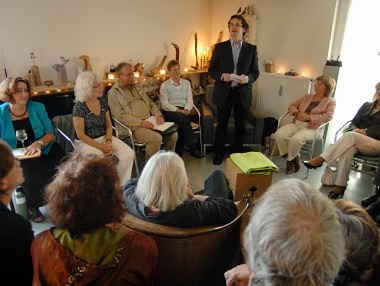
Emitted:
<point x="207" y="122"/>
<point x="340" y="129"/>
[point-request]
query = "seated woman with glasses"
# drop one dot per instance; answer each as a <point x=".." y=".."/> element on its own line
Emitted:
<point x="16" y="233"/>
<point x="93" y="125"/>
<point x="163" y="195"/>
<point x="20" y="114"/>
<point x="89" y="245"/>
<point x="176" y="98"/>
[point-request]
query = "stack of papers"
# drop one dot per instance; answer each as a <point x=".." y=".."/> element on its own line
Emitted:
<point x="162" y="127"/>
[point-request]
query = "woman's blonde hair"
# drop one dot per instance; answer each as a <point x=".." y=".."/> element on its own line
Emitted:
<point x="329" y="83"/>
<point x="163" y="182"/>
<point x="375" y="97"/>
<point x="84" y="85"/>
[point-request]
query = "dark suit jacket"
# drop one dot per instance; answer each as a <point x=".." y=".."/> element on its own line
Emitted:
<point x="364" y="120"/>
<point x="222" y="62"/>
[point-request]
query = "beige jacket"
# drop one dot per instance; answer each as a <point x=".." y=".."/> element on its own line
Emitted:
<point x="319" y="115"/>
<point x="121" y="110"/>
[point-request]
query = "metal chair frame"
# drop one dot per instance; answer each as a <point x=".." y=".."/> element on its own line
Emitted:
<point x="130" y="141"/>
<point x="309" y="145"/>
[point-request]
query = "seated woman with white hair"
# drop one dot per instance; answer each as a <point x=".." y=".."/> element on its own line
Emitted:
<point x="164" y="195"/>
<point x="93" y="125"/>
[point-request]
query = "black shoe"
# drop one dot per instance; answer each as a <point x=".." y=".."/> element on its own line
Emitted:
<point x="374" y="209"/>
<point x="370" y="200"/>
<point x="218" y="159"/>
<point x="197" y="154"/>
<point x="310" y="166"/>
<point x="334" y="196"/>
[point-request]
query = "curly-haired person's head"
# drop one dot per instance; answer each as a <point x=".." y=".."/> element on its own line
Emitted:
<point x="85" y="194"/>
<point x="362" y="240"/>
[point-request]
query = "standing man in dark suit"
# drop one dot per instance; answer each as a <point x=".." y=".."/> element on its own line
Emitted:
<point x="234" y="67"/>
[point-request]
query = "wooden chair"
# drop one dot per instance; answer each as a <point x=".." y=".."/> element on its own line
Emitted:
<point x="194" y="256"/>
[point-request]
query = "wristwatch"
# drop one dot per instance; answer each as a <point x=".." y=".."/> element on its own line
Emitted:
<point x="40" y="142"/>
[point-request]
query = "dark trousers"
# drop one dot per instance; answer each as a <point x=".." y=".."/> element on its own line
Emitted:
<point x="224" y="113"/>
<point x="38" y="172"/>
<point x="185" y="132"/>
<point x="376" y="179"/>
<point x="216" y="185"/>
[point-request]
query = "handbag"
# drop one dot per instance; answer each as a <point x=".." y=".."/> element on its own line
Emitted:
<point x="329" y="176"/>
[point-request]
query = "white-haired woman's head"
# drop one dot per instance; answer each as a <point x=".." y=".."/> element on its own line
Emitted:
<point x="163" y="182"/>
<point x="85" y="84"/>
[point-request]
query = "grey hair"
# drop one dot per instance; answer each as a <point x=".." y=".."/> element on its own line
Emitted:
<point x="294" y="237"/>
<point x="84" y="85"/>
<point x="163" y="182"/>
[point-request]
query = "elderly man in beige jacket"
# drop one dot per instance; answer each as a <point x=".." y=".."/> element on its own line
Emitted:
<point x="130" y="105"/>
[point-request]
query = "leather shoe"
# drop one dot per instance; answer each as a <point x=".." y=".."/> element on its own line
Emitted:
<point x="374" y="209"/>
<point x="218" y="159"/>
<point x="197" y="154"/>
<point x="310" y="166"/>
<point x="337" y="195"/>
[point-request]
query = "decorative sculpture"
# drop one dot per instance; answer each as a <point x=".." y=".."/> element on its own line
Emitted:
<point x="35" y="71"/>
<point x="86" y="61"/>
<point x="196" y="53"/>
<point x="157" y="69"/>
<point x="176" y="52"/>
<point x="61" y="70"/>
<point x="139" y="67"/>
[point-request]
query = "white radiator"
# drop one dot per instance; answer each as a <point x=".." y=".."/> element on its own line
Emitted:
<point x="273" y="93"/>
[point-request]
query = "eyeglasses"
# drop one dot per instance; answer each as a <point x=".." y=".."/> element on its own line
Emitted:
<point x="126" y="74"/>
<point x="234" y="25"/>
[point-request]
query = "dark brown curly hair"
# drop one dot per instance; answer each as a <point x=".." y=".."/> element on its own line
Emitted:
<point x="6" y="161"/>
<point x="85" y="194"/>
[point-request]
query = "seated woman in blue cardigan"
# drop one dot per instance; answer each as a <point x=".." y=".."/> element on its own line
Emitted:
<point x="17" y="113"/>
<point x="164" y="195"/>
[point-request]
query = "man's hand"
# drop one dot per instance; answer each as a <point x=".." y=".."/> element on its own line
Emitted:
<point x="184" y="111"/>
<point x="226" y="77"/>
<point x="159" y="119"/>
<point x="147" y="125"/>
<point x="238" y="276"/>
<point x="244" y="79"/>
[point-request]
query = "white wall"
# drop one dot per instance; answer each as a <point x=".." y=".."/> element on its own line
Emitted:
<point x="295" y="33"/>
<point x="107" y="31"/>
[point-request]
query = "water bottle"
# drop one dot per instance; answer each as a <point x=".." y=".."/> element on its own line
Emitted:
<point x="21" y="206"/>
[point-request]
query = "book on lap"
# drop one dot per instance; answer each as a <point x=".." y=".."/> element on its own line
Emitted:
<point x="162" y="127"/>
<point x="19" y="154"/>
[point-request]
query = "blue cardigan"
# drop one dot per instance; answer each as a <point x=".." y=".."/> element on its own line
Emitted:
<point x="39" y="120"/>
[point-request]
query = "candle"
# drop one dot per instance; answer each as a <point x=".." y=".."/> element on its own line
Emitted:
<point x="136" y="74"/>
<point x="208" y="50"/>
<point x="185" y="69"/>
<point x="162" y="72"/>
<point x="111" y="76"/>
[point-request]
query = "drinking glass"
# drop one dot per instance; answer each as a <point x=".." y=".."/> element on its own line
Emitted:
<point x="21" y="136"/>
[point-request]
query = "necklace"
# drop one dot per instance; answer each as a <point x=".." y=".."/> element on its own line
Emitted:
<point x="17" y="115"/>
